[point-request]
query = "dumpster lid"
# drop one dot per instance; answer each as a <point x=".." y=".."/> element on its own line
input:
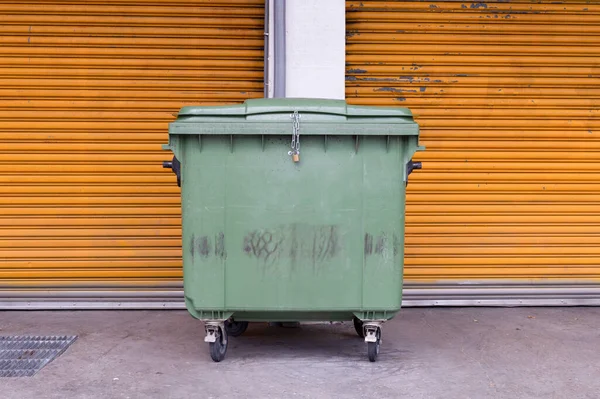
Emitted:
<point x="285" y="105"/>
<point x="318" y="116"/>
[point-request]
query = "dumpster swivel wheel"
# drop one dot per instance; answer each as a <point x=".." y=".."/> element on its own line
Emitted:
<point x="216" y="336"/>
<point x="373" y="340"/>
<point x="235" y="328"/>
<point x="358" y="326"/>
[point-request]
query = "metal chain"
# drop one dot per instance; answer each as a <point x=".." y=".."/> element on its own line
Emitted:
<point x="295" y="133"/>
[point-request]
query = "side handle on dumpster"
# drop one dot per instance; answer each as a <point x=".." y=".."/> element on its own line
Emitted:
<point x="410" y="166"/>
<point x="175" y="166"/>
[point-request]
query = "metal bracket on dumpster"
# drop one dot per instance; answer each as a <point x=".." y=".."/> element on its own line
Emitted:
<point x="175" y="166"/>
<point x="214" y="331"/>
<point x="410" y="166"/>
<point x="372" y="332"/>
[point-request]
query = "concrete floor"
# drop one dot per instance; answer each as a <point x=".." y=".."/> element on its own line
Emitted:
<point x="426" y="353"/>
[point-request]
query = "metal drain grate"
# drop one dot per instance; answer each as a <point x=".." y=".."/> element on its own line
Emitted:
<point x="23" y="356"/>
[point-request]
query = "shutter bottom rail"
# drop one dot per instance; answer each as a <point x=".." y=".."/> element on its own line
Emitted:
<point x="170" y="297"/>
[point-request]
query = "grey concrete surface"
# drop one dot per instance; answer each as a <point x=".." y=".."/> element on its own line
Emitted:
<point x="426" y="353"/>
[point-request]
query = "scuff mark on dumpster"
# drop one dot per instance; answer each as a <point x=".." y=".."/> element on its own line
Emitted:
<point x="314" y="243"/>
<point x="381" y="244"/>
<point x="325" y="243"/>
<point x="294" y="244"/>
<point x="397" y="245"/>
<point x="262" y="244"/>
<point x="220" y="246"/>
<point x="204" y="246"/>
<point x="193" y="247"/>
<point x="368" y="244"/>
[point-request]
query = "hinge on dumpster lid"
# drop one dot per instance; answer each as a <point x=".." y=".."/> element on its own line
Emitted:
<point x="295" y="152"/>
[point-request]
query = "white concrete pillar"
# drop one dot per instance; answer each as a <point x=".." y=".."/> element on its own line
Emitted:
<point x="315" y="48"/>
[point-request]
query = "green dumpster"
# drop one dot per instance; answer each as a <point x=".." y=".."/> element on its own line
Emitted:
<point x="292" y="210"/>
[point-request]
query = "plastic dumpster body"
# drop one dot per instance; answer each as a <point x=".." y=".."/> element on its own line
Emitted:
<point x="292" y="210"/>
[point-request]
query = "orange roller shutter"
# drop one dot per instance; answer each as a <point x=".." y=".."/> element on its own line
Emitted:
<point x="87" y="89"/>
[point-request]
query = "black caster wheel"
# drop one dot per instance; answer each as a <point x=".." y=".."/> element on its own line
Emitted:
<point x="358" y="326"/>
<point x="373" y="347"/>
<point x="218" y="349"/>
<point x="235" y="328"/>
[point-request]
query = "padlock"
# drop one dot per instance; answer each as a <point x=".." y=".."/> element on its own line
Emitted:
<point x="296" y="157"/>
